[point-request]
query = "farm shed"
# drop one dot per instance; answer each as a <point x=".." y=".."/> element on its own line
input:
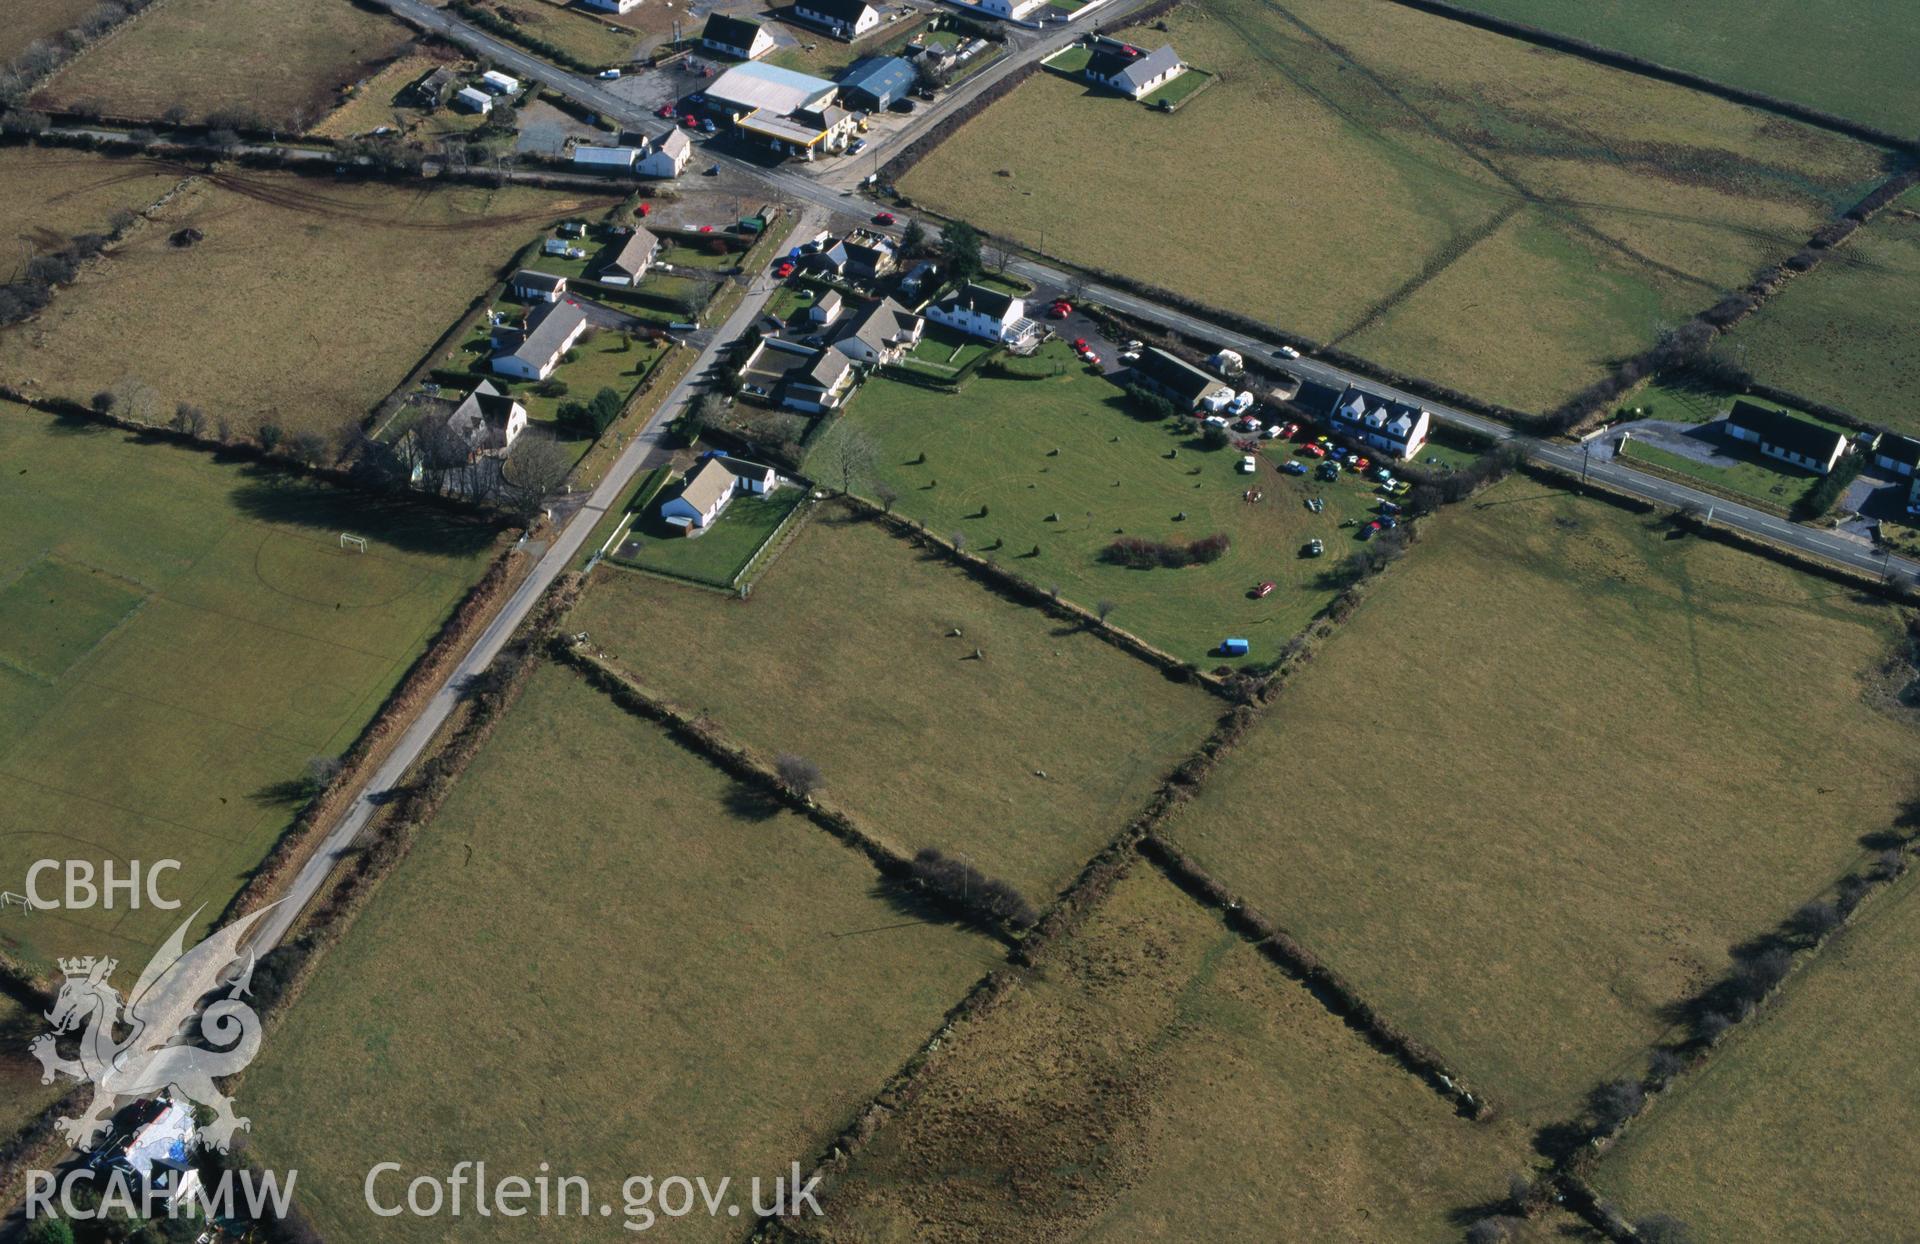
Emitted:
<point x="877" y="81"/>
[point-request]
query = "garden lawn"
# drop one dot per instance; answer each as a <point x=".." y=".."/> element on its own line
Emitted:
<point x="1845" y="58"/>
<point x="718" y="555"/>
<point x="602" y="361"/>
<point x="1801" y="1127"/>
<point x="306" y="303"/>
<point x="603" y="956"/>
<point x="282" y="63"/>
<point x="1026" y="760"/>
<point x="1530" y="216"/>
<point x="48" y="194"/>
<point x="1842" y="334"/>
<point x="1549" y="771"/>
<point x="179" y="637"/>
<point x="993" y="446"/>
<point x="1779" y="488"/>
<point x="1157" y="1073"/>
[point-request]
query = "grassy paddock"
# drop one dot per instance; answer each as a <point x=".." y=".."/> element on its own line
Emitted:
<point x="286" y="62"/>
<point x="1160" y="1073"/>
<point x="719" y="991"/>
<point x="1530" y="216"/>
<point x="307" y="302"/>
<point x="1802" y="1127"/>
<point x="993" y="446"/>
<point x="842" y="654"/>
<point x="1842" y="334"/>
<point x="1845" y="57"/>
<point x="1556" y="765"/>
<point x="48" y="194"/>
<point x="178" y="638"/>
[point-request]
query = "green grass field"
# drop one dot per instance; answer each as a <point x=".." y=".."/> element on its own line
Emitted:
<point x="285" y="63"/>
<point x="718" y="555"/>
<point x="288" y="310"/>
<point x="843" y="655"/>
<point x="1841" y="334"/>
<point x="1553" y="767"/>
<point x="1160" y="1073"/>
<point x="599" y="956"/>
<point x="993" y="445"/>
<point x="1529" y="217"/>
<point x="178" y="638"/>
<point x="1801" y="1128"/>
<point x="1844" y="58"/>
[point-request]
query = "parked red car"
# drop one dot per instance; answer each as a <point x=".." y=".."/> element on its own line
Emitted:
<point x="784" y="271"/>
<point x="1261" y="592"/>
<point x="666" y="110"/>
<point x="1313" y="451"/>
<point x="883" y="218"/>
<point x="1361" y="464"/>
<point x="1060" y="310"/>
<point x="690" y="121"/>
<point x="1080" y="344"/>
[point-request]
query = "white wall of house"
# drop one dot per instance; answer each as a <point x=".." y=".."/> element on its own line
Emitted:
<point x="680" y="507"/>
<point x="867" y="20"/>
<point x="516" y="423"/>
<point x="976" y="323"/>
<point x="613" y="6"/>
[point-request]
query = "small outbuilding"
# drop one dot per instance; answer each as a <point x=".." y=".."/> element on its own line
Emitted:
<point x="467" y="99"/>
<point x="497" y="83"/>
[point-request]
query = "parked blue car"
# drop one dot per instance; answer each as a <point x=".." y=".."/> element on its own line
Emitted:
<point x="1293" y="467"/>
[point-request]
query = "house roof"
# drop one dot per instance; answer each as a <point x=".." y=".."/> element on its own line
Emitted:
<point x="741" y="467"/>
<point x="1393" y="420"/>
<point x="880" y="76"/>
<point x="1783" y="431"/>
<point x="1113" y="62"/>
<point x="875" y="256"/>
<point x="879" y="323"/>
<point x="634" y="253"/>
<point x="980" y="299"/>
<point x="1899" y="449"/>
<point x="587" y="153"/>
<point x="548" y="324"/>
<point x="752" y="86"/>
<point x="481" y="419"/>
<point x="674" y="143"/>
<point x="1172" y="372"/>
<point x="708" y="485"/>
<point x="848" y="11"/>
<point x="546" y="282"/>
<point x="828" y="301"/>
<point x="731" y="32"/>
<point x="826" y="370"/>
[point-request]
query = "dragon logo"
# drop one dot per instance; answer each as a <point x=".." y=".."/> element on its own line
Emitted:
<point x="158" y="1051"/>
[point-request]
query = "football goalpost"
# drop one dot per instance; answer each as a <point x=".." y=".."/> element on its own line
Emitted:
<point x="350" y="541"/>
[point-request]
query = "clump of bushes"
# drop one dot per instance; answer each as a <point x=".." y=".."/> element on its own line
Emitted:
<point x="966" y="887"/>
<point x="1141" y="554"/>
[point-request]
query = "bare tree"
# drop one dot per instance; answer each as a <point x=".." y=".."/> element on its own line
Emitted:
<point x="886" y="494"/>
<point x="1103" y="608"/>
<point x="797" y="774"/>
<point x="849" y="454"/>
<point x="534" y="468"/>
<point x="189" y="419"/>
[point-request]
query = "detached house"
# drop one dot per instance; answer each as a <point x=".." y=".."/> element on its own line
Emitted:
<point x="982" y="312"/>
<point x="849" y="19"/>
<point x="821" y="385"/>
<point x="666" y="156"/>
<point x="869" y="261"/>
<point x="1391" y="427"/>
<point x="736" y="37"/>
<point x="879" y="332"/>
<point x="530" y="286"/>
<point x="1898" y="454"/>
<point x="1780" y="435"/>
<point x="712" y="486"/>
<point x="532" y="349"/>
<point x="488" y="421"/>
<point x="1132" y="71"/>
<point x="628" y="264"/>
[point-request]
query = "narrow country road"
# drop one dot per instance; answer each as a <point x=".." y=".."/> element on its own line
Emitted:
<point x="561" y="553"/>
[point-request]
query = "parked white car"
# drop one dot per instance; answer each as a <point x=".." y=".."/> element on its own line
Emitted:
<point x="1273" y="432"/>
<point x="1288" y="352"/>
<point x="608" y="75"/>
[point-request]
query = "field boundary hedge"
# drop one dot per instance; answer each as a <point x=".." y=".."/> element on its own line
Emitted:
<point x="1335" y="992"/>
<point x="1586" y="50"/>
